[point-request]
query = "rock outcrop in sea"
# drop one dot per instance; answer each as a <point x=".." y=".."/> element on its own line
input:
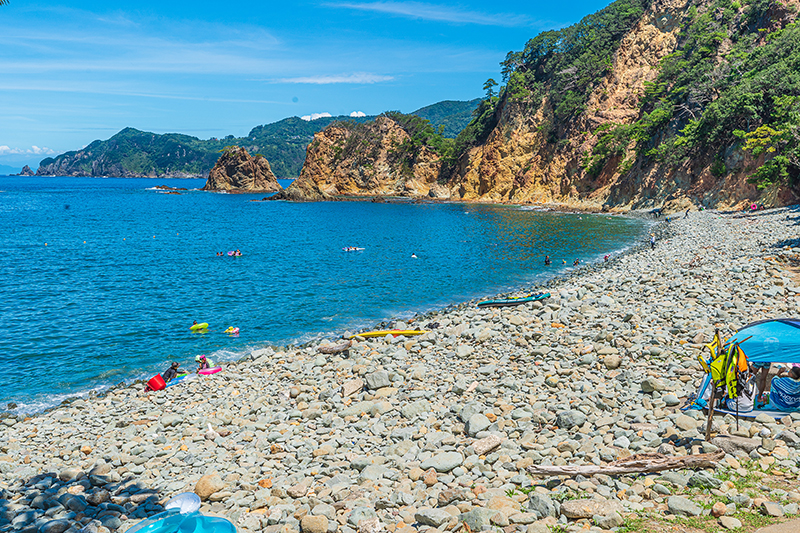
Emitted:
<point x="26" y="171"/>
<point x="236" y="170"/>
<point x="365" y="160"/>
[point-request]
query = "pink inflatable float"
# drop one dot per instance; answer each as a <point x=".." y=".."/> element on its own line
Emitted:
<point x="208" y="371"/>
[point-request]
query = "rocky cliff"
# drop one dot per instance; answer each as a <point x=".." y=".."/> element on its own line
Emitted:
<point x="26" y="171"/>
<point x="658" y="128"/>
<point x="645" y="103"/>
<point x="238" y="171"/>
<point x="379" y="158"/>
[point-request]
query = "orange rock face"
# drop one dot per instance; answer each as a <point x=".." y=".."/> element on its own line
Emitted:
<point x="516" y="163"/>
<point x="236" y="170"/>
<point x="366" y="160"/>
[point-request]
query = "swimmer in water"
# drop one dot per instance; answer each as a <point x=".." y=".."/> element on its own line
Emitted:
<point x="576" y="263"/>
<point x="413" y="255"/>
<point x="546" y="260"/>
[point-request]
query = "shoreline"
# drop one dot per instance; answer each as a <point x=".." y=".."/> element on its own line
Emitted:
<point x="549" y="280"/>
<point x="425" y="433"/>
<point x="558" y="207"/>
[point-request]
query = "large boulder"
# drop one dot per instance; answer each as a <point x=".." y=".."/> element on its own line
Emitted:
<point x="208" y="485"/>
<point x="586" y="508"/>
<point x="570" y="419"/>
<point x="236" y="170"/>
<point x="731" y="444"/>
<point x="678" y="505"/>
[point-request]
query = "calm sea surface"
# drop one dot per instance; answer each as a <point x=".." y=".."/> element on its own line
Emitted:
<point x="100" y="279"/>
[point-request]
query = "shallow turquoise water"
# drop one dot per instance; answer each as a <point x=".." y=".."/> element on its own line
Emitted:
<point x="81" y="315"/>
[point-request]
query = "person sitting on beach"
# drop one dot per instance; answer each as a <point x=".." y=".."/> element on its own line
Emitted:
<point x="761" y="372"/>
<point x="171" y="372"/>
<point x="546" y="260"/>
<point x="203" y="361"/>
<point x="605" y="258"/>
<point x="784" y="393"/>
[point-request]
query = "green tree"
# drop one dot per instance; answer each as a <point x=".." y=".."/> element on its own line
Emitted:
<point x="489" y="88"/>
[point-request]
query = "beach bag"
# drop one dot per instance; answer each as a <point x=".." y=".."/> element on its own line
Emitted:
<point x="156" y="383"/>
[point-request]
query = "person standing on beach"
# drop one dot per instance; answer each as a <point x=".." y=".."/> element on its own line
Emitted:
<point x="652" y="241"/>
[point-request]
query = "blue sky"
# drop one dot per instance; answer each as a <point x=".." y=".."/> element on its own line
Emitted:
<point x="73" y="73"/>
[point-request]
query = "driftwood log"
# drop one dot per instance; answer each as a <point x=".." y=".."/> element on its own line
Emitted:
<point x="644" y="462"/>
<point x="335" y="348"/>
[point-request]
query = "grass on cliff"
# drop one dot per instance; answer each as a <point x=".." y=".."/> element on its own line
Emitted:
<point x="732" y="84"/>
<point x="363" y="142"/>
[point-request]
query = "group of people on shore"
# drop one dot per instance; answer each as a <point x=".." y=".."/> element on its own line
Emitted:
<point x="780" y="393"/>
<point x="548" y="261"/>
<point x="172" y="372"/>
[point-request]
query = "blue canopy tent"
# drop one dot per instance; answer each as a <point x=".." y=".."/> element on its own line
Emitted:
<point x="770" y="341"/>
<point x="765" y="341"/>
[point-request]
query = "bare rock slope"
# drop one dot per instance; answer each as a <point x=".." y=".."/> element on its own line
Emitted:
<point x="369" y="159"/>
<point x="236" y="170"/>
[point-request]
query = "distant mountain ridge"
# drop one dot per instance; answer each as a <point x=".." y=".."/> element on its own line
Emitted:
<point x="135" y="153"/>
<point x="454" y="115"/>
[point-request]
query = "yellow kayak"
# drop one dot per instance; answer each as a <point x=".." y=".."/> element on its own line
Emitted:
<point x="384" y="332"/>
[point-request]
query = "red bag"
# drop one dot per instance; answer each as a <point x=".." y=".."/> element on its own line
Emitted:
<point x="156" y="383"/>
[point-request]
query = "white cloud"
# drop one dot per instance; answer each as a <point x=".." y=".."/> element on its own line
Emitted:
<point x="358" y="114"/>
<point x="315" y="116"/>
<point x="421" y="10"/>
<point x="33" y="150"/>
<point x="356" y="77"/>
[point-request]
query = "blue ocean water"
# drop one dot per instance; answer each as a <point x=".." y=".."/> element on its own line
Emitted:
<point x="101" y="278"/>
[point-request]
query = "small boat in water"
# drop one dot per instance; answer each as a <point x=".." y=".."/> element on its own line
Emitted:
<point x="509" y="302"/>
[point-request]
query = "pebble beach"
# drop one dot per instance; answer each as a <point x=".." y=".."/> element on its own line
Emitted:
<point x="435" y="432"/>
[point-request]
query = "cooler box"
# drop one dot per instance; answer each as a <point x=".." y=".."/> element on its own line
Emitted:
<point x="156" y="383"/>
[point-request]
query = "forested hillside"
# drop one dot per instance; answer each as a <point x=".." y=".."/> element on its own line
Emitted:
<point x="132" y="153"/>
<point x="645" y="102"/>
<point x="451" y="115"/>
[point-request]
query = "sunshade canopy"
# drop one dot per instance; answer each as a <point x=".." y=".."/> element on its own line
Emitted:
<point x="771" y="341"/>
